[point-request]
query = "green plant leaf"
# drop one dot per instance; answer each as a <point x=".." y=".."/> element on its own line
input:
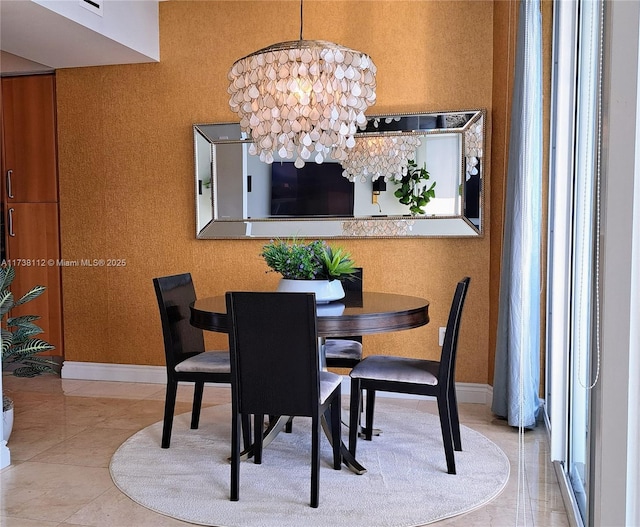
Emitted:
<point x="412" y="191"/>
<point x="18" y="343"/>
<point x="294" y="259"/>
<point x="35" y="368"/>
<point x="6" y="301"/>
<point x="25" y="332"/>
<point x="22" y="320"/>
<point x="7" y="341"/>
<point x="297" y="260"/>
<point x="34" y="293"/>
<point x="27" y="349"/>
<point x="7" y="274"/>
<point x="337" y="263"/>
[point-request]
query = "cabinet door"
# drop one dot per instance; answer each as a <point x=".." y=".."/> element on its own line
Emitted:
<point x="29" y="132"/>
<point x="34" y="250"/>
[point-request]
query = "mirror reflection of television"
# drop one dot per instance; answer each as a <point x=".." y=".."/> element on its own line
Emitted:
<point x="313" y="190"/>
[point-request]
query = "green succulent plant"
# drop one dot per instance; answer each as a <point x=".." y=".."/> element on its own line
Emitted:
<point x="336" y="263"/>
<point x="413" y="189"/>
<point x="20" y="346"/>
<point x="298" y="260"/>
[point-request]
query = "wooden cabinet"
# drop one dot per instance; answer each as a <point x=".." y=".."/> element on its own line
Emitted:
<point x="30" y="218"/>
<point x="29" y="132"/>
<point x="33" y="248"/>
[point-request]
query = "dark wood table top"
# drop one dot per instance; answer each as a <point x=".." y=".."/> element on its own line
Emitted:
<point x="356" y="314"/>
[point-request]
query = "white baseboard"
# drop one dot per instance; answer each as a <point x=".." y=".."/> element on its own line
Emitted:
<point x="96" y="371"/>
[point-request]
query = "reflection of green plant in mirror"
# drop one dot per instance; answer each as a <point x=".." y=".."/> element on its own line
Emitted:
<point x="413" y="189"/>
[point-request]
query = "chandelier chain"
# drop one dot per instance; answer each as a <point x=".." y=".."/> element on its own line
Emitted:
<point x="301" y="19"/>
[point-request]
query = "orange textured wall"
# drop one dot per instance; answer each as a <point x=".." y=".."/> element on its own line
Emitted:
<point x="126" y="168"/>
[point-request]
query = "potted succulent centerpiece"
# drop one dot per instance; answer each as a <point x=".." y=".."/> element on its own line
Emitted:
<point x="309" y="267"/>
<point x="20" y="347"/>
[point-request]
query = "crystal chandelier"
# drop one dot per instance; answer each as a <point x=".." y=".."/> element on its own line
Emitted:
<point x="383" y="156"/>
<point x="303" y="99"/>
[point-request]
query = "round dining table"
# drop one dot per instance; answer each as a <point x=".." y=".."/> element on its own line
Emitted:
<point x="358" y="313"/>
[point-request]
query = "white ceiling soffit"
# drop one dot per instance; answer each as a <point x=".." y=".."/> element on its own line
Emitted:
<point x="14" y="65"/>
<point x="69" y="34"/>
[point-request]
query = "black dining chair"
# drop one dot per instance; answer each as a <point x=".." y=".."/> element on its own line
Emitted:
<point x="185" y="355"/>
<point x="275" y="371"/>
<point x="414" y="376"/>
<point x="346" y="352"/>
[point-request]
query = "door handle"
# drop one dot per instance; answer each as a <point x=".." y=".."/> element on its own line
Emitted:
<point x="9" y="189"/>
<point x="11" y="233"/>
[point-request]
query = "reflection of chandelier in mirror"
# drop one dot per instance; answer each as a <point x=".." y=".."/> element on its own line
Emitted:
<point x="473" y="150"/>
<point x="303" y="99"/>
<point x="382" y="156"/>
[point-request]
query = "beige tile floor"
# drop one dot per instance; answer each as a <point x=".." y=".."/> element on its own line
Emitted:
<point x="66" y="431"/>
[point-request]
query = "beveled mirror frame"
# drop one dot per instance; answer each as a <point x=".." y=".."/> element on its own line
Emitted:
<point x="215" y="221"/>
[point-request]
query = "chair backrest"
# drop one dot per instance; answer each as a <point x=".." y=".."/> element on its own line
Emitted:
<point x="181" y="339"/>
<point x="446" y="374"/>
<point x="353" y="286"/>
<point x="274" y="352"/>
<point x="353" y="293"/>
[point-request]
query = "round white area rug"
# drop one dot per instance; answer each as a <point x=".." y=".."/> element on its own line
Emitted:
<point x="406" y="483"/>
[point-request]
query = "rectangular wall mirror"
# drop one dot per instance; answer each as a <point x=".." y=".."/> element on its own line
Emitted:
<point x="238" y="196"/>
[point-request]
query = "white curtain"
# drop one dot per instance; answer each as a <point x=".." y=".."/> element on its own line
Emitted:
<point x="517" y="368"/>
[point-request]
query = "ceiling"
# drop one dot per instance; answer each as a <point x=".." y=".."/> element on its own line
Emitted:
<point x="12" y="64"/>
<point x="34" y="38"/>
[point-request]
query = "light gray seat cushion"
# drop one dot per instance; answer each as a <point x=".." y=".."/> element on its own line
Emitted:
<point x="398" y="369"/>
<point x="342" y="349"/>
<point x="328" y="382"/>
<point x="207" y="362"/>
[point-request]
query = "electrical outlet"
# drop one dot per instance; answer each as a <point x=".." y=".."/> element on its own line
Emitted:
<point x="441" y="332"/>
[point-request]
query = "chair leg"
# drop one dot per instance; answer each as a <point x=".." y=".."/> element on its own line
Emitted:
<point x="169" y="406"/>
<point x="445" y="425"/>
<point x="197" y="405"/>
<point x="235" y="457"/>
<point x="354" y="415"/>
<point x="371" y="403"/>
<point x="246" y="430"/>
<point x="258" y="424"/>
<point x="336" y="432"/>
<point x="455" y="419"/>
<point x="315" y="461"/>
